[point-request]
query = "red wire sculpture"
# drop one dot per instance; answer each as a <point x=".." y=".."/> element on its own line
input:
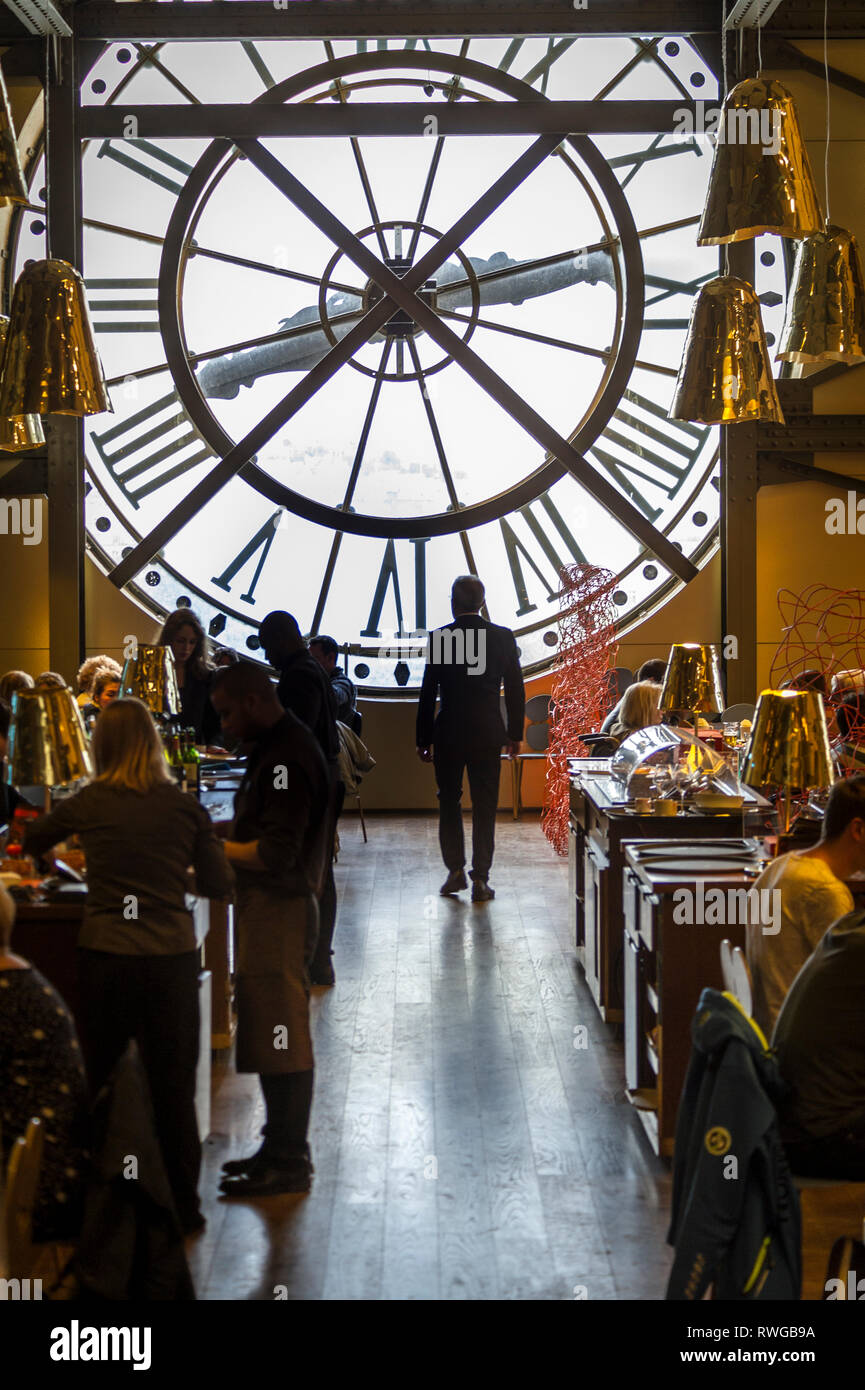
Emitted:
<point x="824" y="631"/>
<point x="580" y="690"/>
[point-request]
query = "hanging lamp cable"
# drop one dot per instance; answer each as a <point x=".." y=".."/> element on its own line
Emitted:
<point x="759" y="48"/>
<point x="828" y="106"/>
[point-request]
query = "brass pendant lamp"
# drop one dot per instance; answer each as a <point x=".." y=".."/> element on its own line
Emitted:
<point x="19" y="432"/>
<point x="47" y="742"/>
<point x="692" y="681"/>
<point x="789" y="747"/>
<point x="825" y="320"/>
<point x="761" y="179"/>
<point x="51" y="366"/>
<point x="725" y="376"/>
<point x="151" y="677"/>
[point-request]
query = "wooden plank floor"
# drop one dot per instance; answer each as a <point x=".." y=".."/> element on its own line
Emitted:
<point x="463" y="1147"/>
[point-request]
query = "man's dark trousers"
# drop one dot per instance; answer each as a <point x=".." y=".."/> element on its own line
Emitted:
<point x="484" y="770"/>
<point x="327" y="899"/>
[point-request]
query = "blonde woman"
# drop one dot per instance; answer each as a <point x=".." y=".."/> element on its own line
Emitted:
<point x="87" y="673"/>
<point x="639" y="709"/>
<point x="137" y="958"/>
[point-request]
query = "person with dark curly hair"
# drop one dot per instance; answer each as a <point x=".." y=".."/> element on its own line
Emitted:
<point x="183" y="633"/>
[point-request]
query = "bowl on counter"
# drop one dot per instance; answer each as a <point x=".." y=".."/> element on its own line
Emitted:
<point x="718" y="802"/>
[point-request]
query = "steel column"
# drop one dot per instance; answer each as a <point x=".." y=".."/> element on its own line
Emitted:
<point x="65" y="434"/>
<point x="739" y="530"/>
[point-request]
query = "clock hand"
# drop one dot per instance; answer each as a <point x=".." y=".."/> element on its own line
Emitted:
<point x="500" y="281"/>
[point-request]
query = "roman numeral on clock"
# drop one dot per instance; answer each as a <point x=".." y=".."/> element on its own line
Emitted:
<point x="389" y="575"/>
<point x="135" y="450"/>
<point x="637" y="466"/>
<point x="518" y="551"/>
<point x="136" y="297"/>
<point x="151" y="162"/>
<point x="261" y="541"/>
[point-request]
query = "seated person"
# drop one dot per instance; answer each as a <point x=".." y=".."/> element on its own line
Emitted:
<point x="639" y="709"/>
<point x="87" y="673"/>
<point x="807" y="680"/>
<point x="325" y="651"/>
<point x="820" y="1044"/>
<point x="41" y="1075"/>
<point x="653" y="670"/>
<point x="12" y="681"/>
<point x="813" y="896"/>
<point x="846" y="682"/>
<point x="849" y="748"/>
<point x="10" y="797"/>
<point x="106" y="687"/>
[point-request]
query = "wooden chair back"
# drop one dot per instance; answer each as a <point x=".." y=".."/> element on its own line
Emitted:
<point x="736" y="974"/>
<point x="18" y="1199"/>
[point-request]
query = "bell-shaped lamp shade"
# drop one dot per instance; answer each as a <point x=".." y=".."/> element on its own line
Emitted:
<point x="692" y="682"/>
<point x="825" y="320"/>
<point x="13" y="187"/>
<point x="725" y="376"/>
<point x="151" y="677"/>
<point x="47" y="741"/>
<point x="761" y="179"/>
<point x="789" y="745"/>
<point x="51" y="366"/>
<point x="23" y="431"/>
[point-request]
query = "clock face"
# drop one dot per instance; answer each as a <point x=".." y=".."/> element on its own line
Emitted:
<point x="213" y="296"/>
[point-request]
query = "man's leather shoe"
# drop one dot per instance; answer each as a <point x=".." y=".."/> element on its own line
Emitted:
<point x="481" y="891"/>
<point x="269" y="1180"/>
<point x="260" y="1159"/>
<point x="455" y="880"/>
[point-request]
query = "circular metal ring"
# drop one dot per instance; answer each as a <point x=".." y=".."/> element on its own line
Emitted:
<point x="445" y="361"/>
<point x="623" y="355"/>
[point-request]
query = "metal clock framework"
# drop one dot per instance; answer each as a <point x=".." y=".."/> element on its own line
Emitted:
<point x="600" y="475"/>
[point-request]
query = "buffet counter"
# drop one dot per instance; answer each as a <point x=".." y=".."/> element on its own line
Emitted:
<point x="602" y="818"/>
<point x="671" y="955"/>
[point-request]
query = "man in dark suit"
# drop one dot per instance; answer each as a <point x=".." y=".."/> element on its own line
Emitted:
<point x="467" y="661"/>
<point x="306" y="691"/>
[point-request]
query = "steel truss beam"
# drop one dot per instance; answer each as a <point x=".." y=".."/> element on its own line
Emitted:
<point x="251" y="19"/>
<point x="321" y="119"/>
<point x="814" y="434"/>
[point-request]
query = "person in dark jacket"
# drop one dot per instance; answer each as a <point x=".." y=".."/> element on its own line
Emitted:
<point x="41" y="1075"/>
<point x="735" y="1220"/>
<point x="303" y="686"/>
<point x="10" y="797"/>
<point x="305" y="689"/>
<point x="277" y="844"/>
<point x="325" y="650"/>
<point x="467" y="662"/>
<point x="819" y="1040"/>
<point x="183" y="633"/>
<point x="131" y="1246"/>
<point x="138" y="960"/>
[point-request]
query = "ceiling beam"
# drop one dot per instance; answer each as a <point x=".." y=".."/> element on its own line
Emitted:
<point x="310" y="19"/>
<point x="778" y="53"/>
<point x="315" y="119"/>
<point x="295" y="19"/>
